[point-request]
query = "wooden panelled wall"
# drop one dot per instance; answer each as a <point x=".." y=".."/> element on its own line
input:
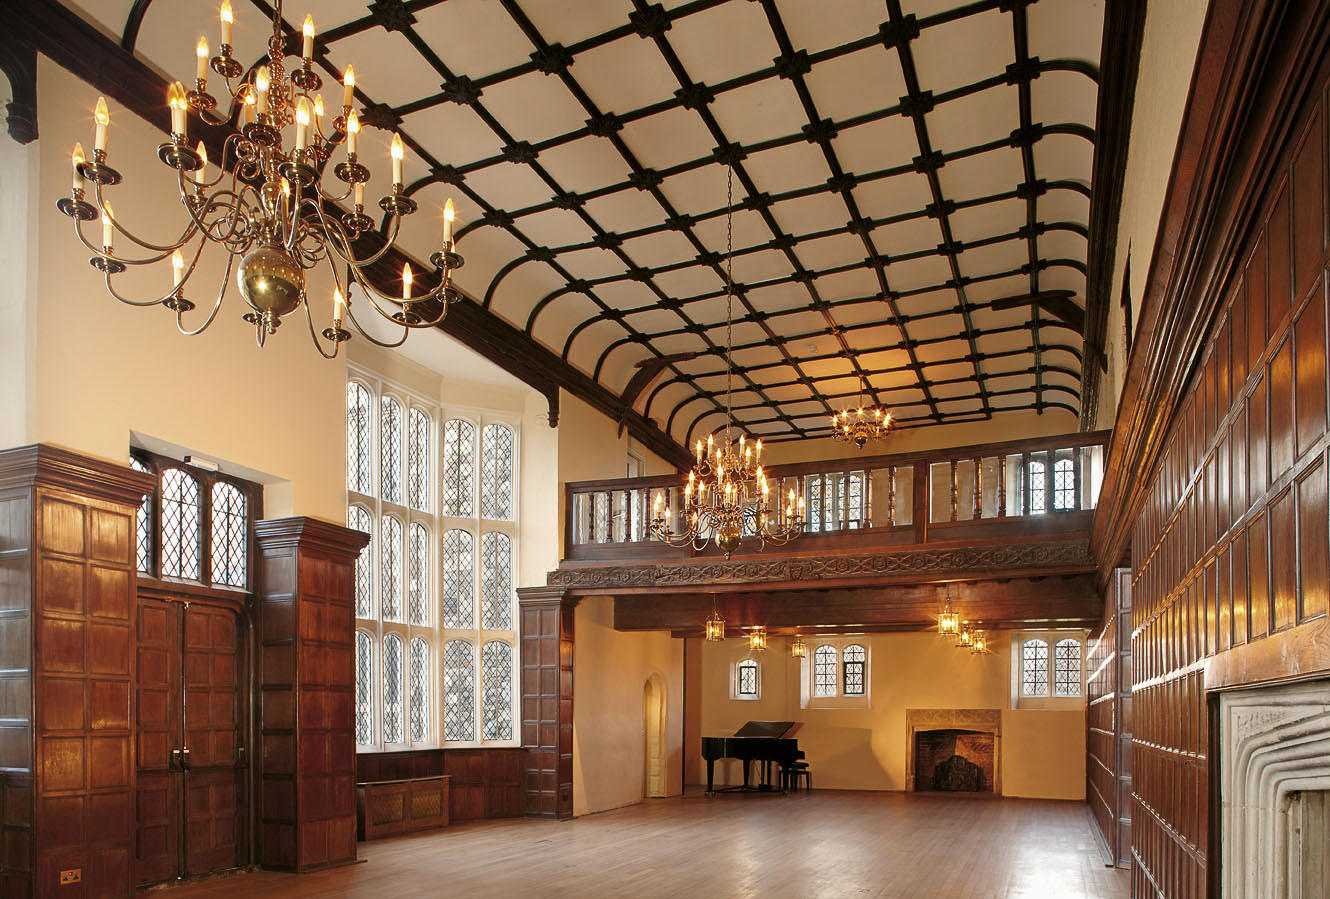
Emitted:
<point x="486" y="783"/>
<point x="1232" y="546"/>
<point x="1108" y="720"/>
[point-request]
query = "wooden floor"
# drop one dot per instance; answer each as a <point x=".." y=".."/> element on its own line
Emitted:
<point x="823" y="843"/>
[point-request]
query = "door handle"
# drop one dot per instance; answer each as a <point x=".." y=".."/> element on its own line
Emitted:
<point x="184" y="758"/>
<point x="176" y="759"/>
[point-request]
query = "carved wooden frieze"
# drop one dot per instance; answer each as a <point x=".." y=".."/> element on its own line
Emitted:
<point x="1059" y="555"/>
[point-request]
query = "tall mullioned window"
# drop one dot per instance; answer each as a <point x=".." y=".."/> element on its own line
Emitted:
<point x="436" y="608"/>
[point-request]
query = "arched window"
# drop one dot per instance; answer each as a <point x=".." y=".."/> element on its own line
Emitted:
<point x="459" y="468"/>
<point x="417" y="459"/>
<point x="496" y="472"/>
<point x="419" y="698"/>
<point x="358" y="425"/>
<point x="496" y="666"/>
<point x="855" y="661"/>
<point x="1064" y="485"/>
<point x="496" y="581"/>
<point x="824" y="671"/>
<point x="229" y="535"/>
<point x="417" y="569"/>
<point x="364" y="678"/>
<point x="357" y="518"/>
<point x="143" y="523"/>
<point x="390" y="578"/>
<point x="746" y="679"/>
<point x="459" y="603"/>
<point x="182" y="525"/>
<point x="1034" y="668"/>
<point x="1067" y="667"/>
<point x="1036" y="488"/>
<point x="459" y="697"/>
<point x="390" y="449"/>
<point x="392" y="689"/>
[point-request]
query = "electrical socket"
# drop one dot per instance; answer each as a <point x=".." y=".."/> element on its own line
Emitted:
<point x="71" y="875"/>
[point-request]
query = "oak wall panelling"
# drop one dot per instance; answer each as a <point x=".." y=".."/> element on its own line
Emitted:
<point x="1108" y="721"/>
<point x="67" y="629"/>
<point x="547" y="700"/>
<point x="485" y="783"/>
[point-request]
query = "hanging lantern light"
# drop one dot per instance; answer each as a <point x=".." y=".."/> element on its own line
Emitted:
<point x="798" y="648"/>
<point x="965" y="637"/>
<point x="948" y="620"/>
<point x="715" y="626"/>
<point x="978" y="643"/>
<point x="757" y="639"/>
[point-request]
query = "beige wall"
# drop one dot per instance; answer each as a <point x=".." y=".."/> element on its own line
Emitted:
<point x="1042" y="752"/>
<point x="610" y="671"/>
<point x="18" y="298"/>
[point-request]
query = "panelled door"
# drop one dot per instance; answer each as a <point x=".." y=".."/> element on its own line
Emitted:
<point x="192" y="764"/>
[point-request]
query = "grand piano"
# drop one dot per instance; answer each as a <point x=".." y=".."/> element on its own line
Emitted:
<point x="768" y="742"/>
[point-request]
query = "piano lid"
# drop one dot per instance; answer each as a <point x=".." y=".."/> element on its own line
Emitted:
<point x="765" y="729"/>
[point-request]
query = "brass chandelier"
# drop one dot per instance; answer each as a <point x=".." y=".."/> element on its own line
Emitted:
<point x="862" y="425"/>
<point x="274" y="213"/>
<point x="728" y="497"/>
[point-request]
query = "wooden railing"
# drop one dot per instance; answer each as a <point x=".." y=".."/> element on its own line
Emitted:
<point x="987" y="491"/>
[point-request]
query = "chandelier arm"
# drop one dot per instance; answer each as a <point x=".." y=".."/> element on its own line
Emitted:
<point x="314" y="334"/>
<point x="370" y="337"/>
<point x="147" y="260"/>
<point x="349" y="257"/>
<point x="166" y="250"/>
<point x="221" y="294"/>
<point x="127" y="301"/>
<point x="371" y="291"/>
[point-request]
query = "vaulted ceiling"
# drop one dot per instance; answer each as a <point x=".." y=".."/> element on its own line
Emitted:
<point x="911" y="186"/>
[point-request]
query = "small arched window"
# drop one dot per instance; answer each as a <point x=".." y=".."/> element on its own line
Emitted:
<point x="1038" y="503"/>
<point x="1067" y="667"/>
<point x="182" y="525"/>
<point x="392" y="689"/>
<point x="390" y="449"/>
<point x="1064" y="485"/>
<point x="417" y="460"/>
<point x="496" y="669"/>
<point x="824" y="671"/>
<point x="417" y="570"/>
<point x="459" y="698"/>
<point x="496" y="472"/>
<point x="390" y="578"/>
<point x="143" y="522"/>
<point x="419" y="695"/>
<point x="359" y="421"/>
<point x="357" y="518"/>
<point x="1034" y="668"/>
<point x="459" y="606"/>
<point x="496" y="581"/>
<point x="229" y="535"/>
<point x="746" y="679"/>
<point x="364" y="678"/>
<point x="855" y="663"/>
<point x="459" y="468"/>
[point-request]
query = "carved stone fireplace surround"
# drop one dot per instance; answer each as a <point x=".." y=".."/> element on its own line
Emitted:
<point x="988" y="721"/>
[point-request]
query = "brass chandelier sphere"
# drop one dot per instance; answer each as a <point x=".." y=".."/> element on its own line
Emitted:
<point x="271" y="282"/>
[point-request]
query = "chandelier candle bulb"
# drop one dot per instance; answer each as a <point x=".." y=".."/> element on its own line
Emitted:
<point x="228" y="19"/>
<point x="449" y="213"/>
<point x="307" y="45"/>
<point x="201" y="175"/>
<point x="78" y="161"/>
<point x="102" y="117"/>
<point x="302" y="125"/>
<point x="352" y="133"/>
<point x="175" y="98"/>
<point x="339" y="307"/>
<point x="397" y="153"/>
<point x="318" y="107"/>
<point x="261" y="82"/>
<point x="247" y="113"/>
<point x="108" y="229"/>
<point x="406" y="280"/>
<point x="201" y="72"/>
<point x="177" y="269"/>
<point x="348" y="87"/>
<point x="360" y="196"/>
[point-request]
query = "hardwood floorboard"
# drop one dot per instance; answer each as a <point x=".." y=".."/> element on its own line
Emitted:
<point x="820" y="844"/>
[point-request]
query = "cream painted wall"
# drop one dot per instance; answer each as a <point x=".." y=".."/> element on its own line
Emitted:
<point x="610" y="671"/>
<point x="1168" y="56"/>
<point x="1042" y="752"/>
<point x="18" y="301"/>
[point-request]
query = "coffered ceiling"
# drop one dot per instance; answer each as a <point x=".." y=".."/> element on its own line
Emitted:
<point x="911" y="183"/>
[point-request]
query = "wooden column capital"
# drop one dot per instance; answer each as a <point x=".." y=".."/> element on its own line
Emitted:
<point x="546" y="594"/>
<point x="310" y="534"/>
<point x="44" y="465"/>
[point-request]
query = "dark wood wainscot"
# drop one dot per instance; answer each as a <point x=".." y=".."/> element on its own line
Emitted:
<point x="388" y="807"/>
<point x="483" y="783"/>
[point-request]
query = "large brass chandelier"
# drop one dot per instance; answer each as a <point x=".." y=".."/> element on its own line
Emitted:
<point x="862" y="425"/>
<point x="275" y="212"/>
<point x="727" y="497"/>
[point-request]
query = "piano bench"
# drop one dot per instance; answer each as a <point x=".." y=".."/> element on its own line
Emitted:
<point x="794" y="773"/>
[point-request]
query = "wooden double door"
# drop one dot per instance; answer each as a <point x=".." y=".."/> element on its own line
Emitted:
<point x="192" y="758"/>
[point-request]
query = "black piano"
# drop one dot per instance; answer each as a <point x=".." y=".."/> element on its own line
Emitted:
<point x="757" y="741"/>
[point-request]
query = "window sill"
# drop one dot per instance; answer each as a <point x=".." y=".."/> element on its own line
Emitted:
<point x="837" y="702"/>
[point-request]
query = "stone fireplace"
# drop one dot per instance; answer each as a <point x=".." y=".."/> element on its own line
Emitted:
<point x="1274" y="769"/>
<point x="953" y="749"/>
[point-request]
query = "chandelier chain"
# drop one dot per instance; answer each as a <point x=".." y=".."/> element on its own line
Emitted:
<point x="729" y="300"/>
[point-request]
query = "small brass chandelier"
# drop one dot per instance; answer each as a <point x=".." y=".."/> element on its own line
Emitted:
<point x="965" y="637"/>
<point x="948" y="620"/>
<point x="798" y="648"/>
<point x="757" y="639"/>
<point x="272" y="212"/>
<point x="727" y="497"/>
<point x="862" y="425"/>
<point x="714" y="629"/>
<point x="978" y="643"/>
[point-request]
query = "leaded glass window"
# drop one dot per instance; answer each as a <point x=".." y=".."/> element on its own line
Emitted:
<point x="390" y="577"/>
<point x="459" y="602"/>
<point x="229" y="535"/>
<point x="1067" y="667"/>
<point x="1064" y="485"/>
<point x="747" y="678"/>
<point x="813" y="495"/>
<point x="143" y="523"/>
<point x="417" y="460"/>
<point x="392" y="689"/>
<point x="496" y="665"/>
<point x="1036" y="488"/>
<point x="390" y="449"/>
<point x="459" y="697"/>
<point x="496" y="581"/>
<point x="496" y="472"/>
<point x="1034" y="668"/>
<point x="182" y="525"/>
<point x="419" y="690"/>
<point x="824" y="671"/>
<point x="364" y="699"/>
<point x="459" y="468"/>
<point x="357" y="518"/>
<point x="358" y="425"/>
<point x="855" y="659"/>
<point x="417" y="556"/>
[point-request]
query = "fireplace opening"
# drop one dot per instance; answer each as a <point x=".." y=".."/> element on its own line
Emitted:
<point x="953" y="760"/>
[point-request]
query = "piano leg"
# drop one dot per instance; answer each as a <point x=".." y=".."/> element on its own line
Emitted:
<point x="746" y="764"/>
<point x="711" y="774"/>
